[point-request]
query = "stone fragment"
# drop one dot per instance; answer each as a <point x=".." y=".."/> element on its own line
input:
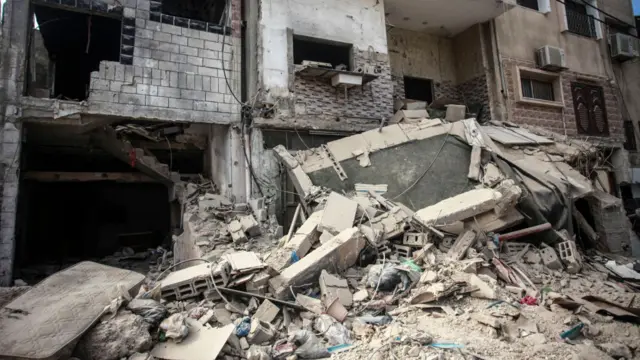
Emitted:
<point x="459" y="207"/>
<point x="267" y="311"/>
<point x="486" y="320"/>
<point x="260" y="332"/>
<point x="119" y="337"/>
<point x="461" y="245"/>
<point x="616" y="350"/>
<point x="332" y="286"/>
<point x="249" y="225"/>
<point x="339" y="214"/>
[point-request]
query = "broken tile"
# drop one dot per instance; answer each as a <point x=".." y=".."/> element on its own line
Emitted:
<point x="332" y="286"/>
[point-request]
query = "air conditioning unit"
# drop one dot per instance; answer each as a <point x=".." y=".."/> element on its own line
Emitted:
<point x="551" y="58"/>
<point x="623" y="46"/>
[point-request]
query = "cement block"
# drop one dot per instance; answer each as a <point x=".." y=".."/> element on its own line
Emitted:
<point x="267" y="312"/>
<point x="325" y="237"/>
<point x="570" y="256"/>
<point x="237" y="233"/>
<point x="339" y="214"/>
<point x="415" y="239"/>
<point x="260" y="332"/>
<point x="285" y="157"/>
<point x="340" y="254"/>
<point x="194" y="280"/>
<point x="459" y="207"/>
<point x="250" y="225"/>
<point x="332" y="287"/>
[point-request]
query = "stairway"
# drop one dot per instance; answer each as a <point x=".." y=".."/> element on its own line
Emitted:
<point x="107" y="139"/>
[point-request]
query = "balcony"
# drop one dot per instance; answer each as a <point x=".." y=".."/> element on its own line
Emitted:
<point x="580" y="23"/>
<point x="443" y="17"/>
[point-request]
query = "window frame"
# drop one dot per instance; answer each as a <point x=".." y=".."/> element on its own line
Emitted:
<point x="536" y="74"/>
<point x="431" y="85"/>
<point x="531" y="86"/>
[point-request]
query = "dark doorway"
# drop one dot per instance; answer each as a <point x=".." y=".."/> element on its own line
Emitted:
<point x="418" y="89"/>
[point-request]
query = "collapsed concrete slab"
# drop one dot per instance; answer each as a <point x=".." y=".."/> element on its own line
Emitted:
<point x="338" y="254"/>
<point x="459" y="207"/>
<point x="339" y="214"/>
<point x="300" y="243"/>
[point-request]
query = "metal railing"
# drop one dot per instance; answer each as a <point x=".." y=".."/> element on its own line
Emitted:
<point x="581" y="24"/>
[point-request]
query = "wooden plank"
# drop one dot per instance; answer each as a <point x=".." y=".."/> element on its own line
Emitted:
<point x="53" y="176"/>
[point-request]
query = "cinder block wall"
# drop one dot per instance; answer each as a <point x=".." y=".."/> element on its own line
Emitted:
<point x="171" y="68"/>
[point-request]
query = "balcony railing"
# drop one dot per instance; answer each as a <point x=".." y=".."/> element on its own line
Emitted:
<point x="581" y="24"/>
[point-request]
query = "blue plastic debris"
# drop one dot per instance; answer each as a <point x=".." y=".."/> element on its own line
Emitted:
<point x="446" y="345"/>
<point x="294" y="257"/>
<point x="243" y="328"/>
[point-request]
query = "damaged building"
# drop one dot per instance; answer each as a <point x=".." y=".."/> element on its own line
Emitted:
<point x="132" y="98"/>
<point x="253" y="179"/>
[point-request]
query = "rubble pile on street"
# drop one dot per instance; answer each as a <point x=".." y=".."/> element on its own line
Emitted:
<point x="360" y="276"/>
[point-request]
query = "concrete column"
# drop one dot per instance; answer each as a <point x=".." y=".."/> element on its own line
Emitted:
<point x="11" y="135"/>
<point x="226" y="161"/>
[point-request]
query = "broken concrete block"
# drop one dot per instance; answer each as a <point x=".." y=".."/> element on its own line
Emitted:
<point x="491" y="175"/>
<point x="550" y="258"/>
<point x="570" y="256"/>
<point x="409" y="116"/>
<point x="332" y="286"/>
<point x="391" y="223"/>
<point x="267" y="311"/>
<point x="237" y="233"/>
<point x="301" y="181"/>
<point x="459" y="207"/>
<point x="194" y="280"/>
<point x="475" y="163"/>
<point x="485" y="291"/>
<point x="326" y="236"/>
<point x="99" y="342"/>
<point x="285" y="157"/>
<point x="511" y="194"/>
<point x="486" y="320"/>
<point x="461" y="245"/>
<point x="243" y="261"/>
<point x="415" y="239"/>
<point x="339" y="253"/>
<point x="300" y="243"/>
<point x="404" y="252"/>
<point x="260" y="332"/>
<point x="339" y="214"/>
<point x="249" y="225"/>
<point x="312" y="304"/>
<point x="455" y="112"/>
<point x="257" y="204"/>
<point x="360" y="295"/>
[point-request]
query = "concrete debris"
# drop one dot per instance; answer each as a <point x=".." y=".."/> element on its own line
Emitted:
<point x="121" y="336"/>
<point x="379" y="278"/>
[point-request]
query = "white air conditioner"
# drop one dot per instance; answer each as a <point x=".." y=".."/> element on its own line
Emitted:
<point x="551" y="58"/>
<point x="623" y="46"/>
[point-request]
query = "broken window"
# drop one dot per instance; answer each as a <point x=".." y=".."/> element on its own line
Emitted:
<point x="211" y="11"/>
<point x="418" y="89"/>
<point x="537" y="89"/>
<point x="323" y="51"/>
<point x="75" y="43"/>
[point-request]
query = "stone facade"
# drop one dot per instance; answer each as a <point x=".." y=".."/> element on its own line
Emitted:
<point x="373" y="100"/>
<point x="476" y="91"/>
<point x="551" y="118"/>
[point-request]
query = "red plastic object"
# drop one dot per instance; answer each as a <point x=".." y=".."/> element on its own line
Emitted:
<point x="529" y="300"/>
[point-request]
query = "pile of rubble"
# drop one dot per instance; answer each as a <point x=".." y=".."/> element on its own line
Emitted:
<point x="360" y="276"/>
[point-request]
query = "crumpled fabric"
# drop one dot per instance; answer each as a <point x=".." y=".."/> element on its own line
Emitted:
<point x="174" y="327"/>
<point x="529" y="300"/>
<point x="152" y="311"/>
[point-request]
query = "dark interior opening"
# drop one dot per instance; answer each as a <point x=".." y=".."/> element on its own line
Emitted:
<point x="204" y="10"/>
<point x="76" y="43"/>
<point x="418" y="89"/>
<point x="306" y="48"/>
<point x="583" y="206"/>
<point x="60" y="223"/>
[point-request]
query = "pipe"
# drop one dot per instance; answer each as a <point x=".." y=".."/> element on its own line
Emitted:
<point x="275" y="301"/>
<point x="293" y="223"/>
<point x="524" y="232"/>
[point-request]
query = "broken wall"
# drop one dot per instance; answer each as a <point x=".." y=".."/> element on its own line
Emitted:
<point x="424" y="56"/>
<point x="359" y="23"/>
<point x="171" y="68"/>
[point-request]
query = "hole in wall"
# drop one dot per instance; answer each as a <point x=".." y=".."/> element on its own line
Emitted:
<point x="74" y="44"/>
<point x="320" y="50"/>
<point x="418" y="89"/>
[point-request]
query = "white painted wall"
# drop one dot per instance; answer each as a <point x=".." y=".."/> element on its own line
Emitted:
<point x="357" y="22"/>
